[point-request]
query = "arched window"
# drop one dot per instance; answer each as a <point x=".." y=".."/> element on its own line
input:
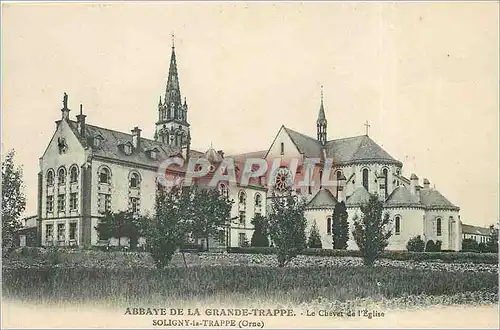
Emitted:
<point x="339" y="175"/>
<point x="282" y="148"/>
<point x="242" y="197"/>
<point x="329" y="225"/>
<point x="135" y="180"/>
<point x="104" y="175"/>
<point x="365" y="179"/>
<point x="386" y="180"/>
<point x="397" y="225"/>
<point x="61" y="175"/>
<point x="438" y="226"/>
<point x="73" y="174"/>
<point x="222" y="189"/>
<point x="50" y="177"/>
<point x="258" y="199"/>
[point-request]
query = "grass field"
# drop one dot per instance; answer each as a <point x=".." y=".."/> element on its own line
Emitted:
<point x="130" y="278"/>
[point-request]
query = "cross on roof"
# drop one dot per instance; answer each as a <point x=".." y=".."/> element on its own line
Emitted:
<point x="173" y="41"/>
<point x="367" y="127"/>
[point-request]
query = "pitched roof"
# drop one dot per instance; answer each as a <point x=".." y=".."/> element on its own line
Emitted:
<point x="433" y="199"/>
<point x="323" y="199"/>
<point x="402" y="197"/>
<point x="111" y="141"/>
<point x="350" y="150"/>
<point x="253" y="154"/>
<point x="357" y="149"/>
<point x="358" y="197"/>
<point x="306" y="145"/>
<point x="475" y="230"/>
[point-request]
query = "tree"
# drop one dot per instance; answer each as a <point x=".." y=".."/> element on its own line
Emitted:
<point x="13" y="199"/>
<point x="168" y="228"/>
<point x="314" y="238"/>
<point x="260" y="233"/>
<point x="438" y="245"/>
<point x="340" y="226"/>
<point x="120" y="224"/>
<point x="430" y="246"/>
<point x="211" y="212"/>
<point x="371" y="231"/>
<point x="287" y="226"/>
<point x="492" y="243"/>
<point x="416" y="244"/>
<point x="468" y="244"/>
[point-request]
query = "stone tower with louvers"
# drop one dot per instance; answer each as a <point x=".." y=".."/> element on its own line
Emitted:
<point x="321" y="122"/>
<point x="172" y="127"/>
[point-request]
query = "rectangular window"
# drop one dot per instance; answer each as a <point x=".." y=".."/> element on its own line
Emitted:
<point x="50" y="204"/>
<point x="242" y="239"/>
<point x="61" y="233"/>
<point x="328" y="226"/>
<point x="61" y="203"/>
<point x="398" y="225"/>
<point x="49" y="233"/>
<point x="282" y="149"/>
<point x="222" y="237"/>
<point x="73" y="200"/>
<point x="104" y="202"/>
<point x="134" y="204"/>
<point x="242" y="217"/>
<point x="72" y="231"/>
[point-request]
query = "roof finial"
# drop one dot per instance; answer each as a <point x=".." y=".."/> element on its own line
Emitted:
<point x="81" y="109"/>
<point x="321" y="93"/>
<point x="173" y="40"/>
<point x="367" y="127"/>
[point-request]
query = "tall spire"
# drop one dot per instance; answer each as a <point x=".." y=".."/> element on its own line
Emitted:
<point x="173" y="91"/>
<point x="321" y="122"/>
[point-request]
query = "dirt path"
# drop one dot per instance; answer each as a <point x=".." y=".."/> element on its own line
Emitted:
<point x="23" y="315"/>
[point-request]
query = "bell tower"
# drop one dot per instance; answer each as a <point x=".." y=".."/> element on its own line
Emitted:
<point x="321" y="122"/>
<point x="172" y="127"/>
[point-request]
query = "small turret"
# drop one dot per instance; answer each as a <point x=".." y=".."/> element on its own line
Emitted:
<point x="321" y="123"/>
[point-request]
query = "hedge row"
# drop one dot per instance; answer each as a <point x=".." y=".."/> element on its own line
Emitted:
<point x="461" y="257"/>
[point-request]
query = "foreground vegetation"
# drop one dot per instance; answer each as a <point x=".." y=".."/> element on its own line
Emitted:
<point x="292" y="285"/>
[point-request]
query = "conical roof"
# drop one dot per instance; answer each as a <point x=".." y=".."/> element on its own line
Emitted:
<point x="323" y="199"/>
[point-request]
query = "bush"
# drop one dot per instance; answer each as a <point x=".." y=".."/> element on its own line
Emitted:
<point x="430" y="246"/>
<point x="415" y="244"/>
<point x="469" y="244"/>
<point x="314" y="238"/>
<point x="452" y="256"/>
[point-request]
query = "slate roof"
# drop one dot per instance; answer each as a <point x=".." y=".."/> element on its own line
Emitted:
<point x="402" y="197"/>
<point x="475" y="230"/>
<point x="357" y="149"/>
<point x="434" y="200"/>
<point x="254" y="154"/>
<point x="358" y="197"/>
<point x="323" y="199"/>
<point x="111" y="140"/>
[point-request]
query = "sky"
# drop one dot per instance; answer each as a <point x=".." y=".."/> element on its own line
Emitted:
<point x="424" y="75"/>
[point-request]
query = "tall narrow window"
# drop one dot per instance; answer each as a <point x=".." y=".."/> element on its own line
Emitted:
<point x="134" y="180"/>
<point x="329" y="226"/>
<point x="50" y="204"/>
<point x="282" y="149"/>
<point x="339" y="175"/>
<point x="365" y="179"/>
<point x="50" y="177"/>
<point x="397" y="221"/>
<point x="242" y="218"/>
<point x="72" y="231"/>
<point x="386" y="180"/>
<point x="134" y="205"/>
<point x="73" y="201"/>
<point x="438" y="226"/>
<point x="242" y="239"/>
<point x="61" y="176"/>
<point x="242" y="197"/>
<point x="49" y="233"/>
<point x="61" y="232"/>
<point x="73" y="174"/>
<point x="61" y="203"/>
<point x="258" y="200"/>
<point x="320" y="178"/>
<point x="104" y="175"/>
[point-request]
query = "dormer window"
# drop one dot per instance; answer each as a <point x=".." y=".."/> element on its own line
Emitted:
<point x="98" y="141"/>
<point x="127" y="148"/>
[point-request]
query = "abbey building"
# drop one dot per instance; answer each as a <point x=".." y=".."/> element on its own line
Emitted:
<point x="88" y="169"/>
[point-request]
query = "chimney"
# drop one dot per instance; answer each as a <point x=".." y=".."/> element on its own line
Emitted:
<point x="81" y="122"/>
<point x="413" y="183"/>
<point x="426" y="184"/>
<point x="136" y="137"/>
<point x="381" y="186"/>
<point x="340" y="188"/>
